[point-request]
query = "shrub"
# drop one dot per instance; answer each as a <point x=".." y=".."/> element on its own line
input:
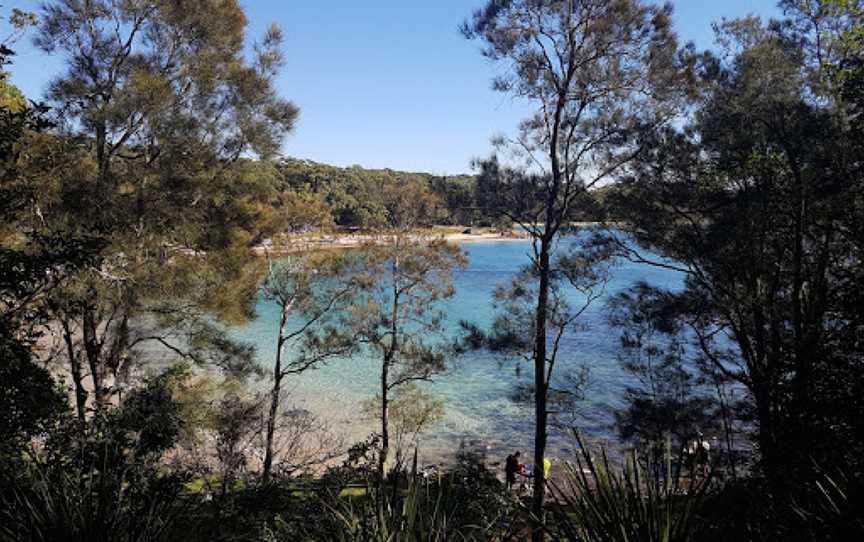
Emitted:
<point x="600" y="503"/>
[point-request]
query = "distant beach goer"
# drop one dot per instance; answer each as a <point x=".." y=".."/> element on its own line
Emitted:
<point x="699" y="450"/>
<point x="547" y="467"/>
<point x="511" y="466"/>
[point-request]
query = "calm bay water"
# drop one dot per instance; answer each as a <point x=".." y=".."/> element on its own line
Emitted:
<point x="477" y="390"/>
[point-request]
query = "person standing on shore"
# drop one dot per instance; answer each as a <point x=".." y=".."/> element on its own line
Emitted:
<point x="510" y="468"/>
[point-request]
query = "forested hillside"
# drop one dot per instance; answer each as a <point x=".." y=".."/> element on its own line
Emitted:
<point x="354" y="194"/>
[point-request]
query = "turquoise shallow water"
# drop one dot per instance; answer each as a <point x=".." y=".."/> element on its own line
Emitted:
<point x="477" y="389"/>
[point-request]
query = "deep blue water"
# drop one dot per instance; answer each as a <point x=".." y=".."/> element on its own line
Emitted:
<point x="477" y="390"/>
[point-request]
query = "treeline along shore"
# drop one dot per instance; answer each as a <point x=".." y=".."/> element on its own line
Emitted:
<point x="289" y="244"/>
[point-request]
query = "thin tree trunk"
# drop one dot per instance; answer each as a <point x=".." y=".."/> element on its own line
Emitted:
<point x="385" y="385"/>
<point x="91" y="348"/>
<point x="75" y="368"/>
<point x="385" y="434"/>
<point x="727" y="428"/>
<point x="553" y="219"/>
<point x="119" y="346"/>
<point x="274" y="399"/>
<point x="540" y="387"/>
<point x="771" y="457"/>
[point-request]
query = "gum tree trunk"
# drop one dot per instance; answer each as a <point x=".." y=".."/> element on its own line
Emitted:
<point x="540" y="385"/>
<point x="274" y="399"/>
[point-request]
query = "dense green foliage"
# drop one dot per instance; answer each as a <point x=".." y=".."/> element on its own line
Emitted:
<point x="758" y="202"/>
<point x="357" y="196"/>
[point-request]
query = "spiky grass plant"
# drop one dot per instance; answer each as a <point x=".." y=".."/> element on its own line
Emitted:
<point x="830" y="507"/>
<point x="467" y="503"/>
<point x="597" y="502"/>
<point x="416" y="516"/>
<point x="93" y="504"/>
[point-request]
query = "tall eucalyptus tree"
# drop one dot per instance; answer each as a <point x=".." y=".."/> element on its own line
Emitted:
<point x="595" y="72"/>
<point x="397" y="320"/>
<point x="158" y="103"/>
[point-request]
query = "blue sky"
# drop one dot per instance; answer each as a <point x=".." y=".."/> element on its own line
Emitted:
<point x="387" y="83"/>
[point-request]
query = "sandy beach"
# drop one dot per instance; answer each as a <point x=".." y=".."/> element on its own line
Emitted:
<point x="291" y="244"/>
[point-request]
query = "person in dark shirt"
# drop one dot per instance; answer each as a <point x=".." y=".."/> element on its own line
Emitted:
<point x="510" y="468"/>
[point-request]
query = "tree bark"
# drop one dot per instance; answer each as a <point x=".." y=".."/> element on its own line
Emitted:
<point x="385" y="369"/>
<point x="550" y="229"/>
<point x="540" y="387"/>
<point x="91" y="348"/>
<point x="274" y="399"/>
<point x="75" y="368"/>
<point x="385" y="434"/>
